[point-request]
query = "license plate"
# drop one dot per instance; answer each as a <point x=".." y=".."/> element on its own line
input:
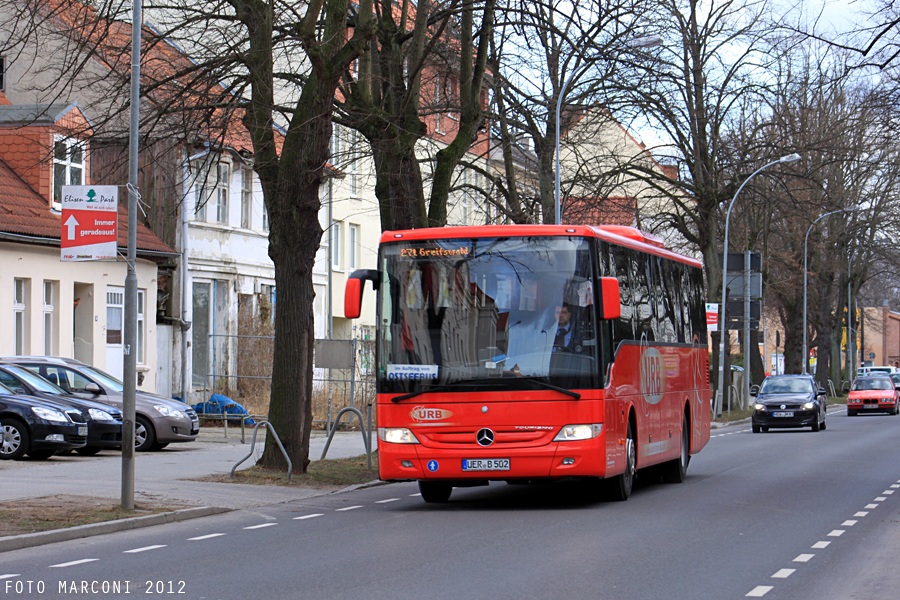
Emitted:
<point x="485" y="464"/>
<point x="786" y="413"/>
<point x="870" y="406"/>
<point x="82" y="430"/>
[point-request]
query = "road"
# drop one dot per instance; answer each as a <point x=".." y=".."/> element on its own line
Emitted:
<point x="784" y="515"/>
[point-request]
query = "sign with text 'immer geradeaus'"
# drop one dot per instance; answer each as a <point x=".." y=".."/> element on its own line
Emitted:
<point x="89" y="222"/>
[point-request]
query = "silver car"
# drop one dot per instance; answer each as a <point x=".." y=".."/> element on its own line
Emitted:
<point x="158" y="421"/>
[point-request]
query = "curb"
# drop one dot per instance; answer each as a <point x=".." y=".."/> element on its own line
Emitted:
<point x="30" y="540"/>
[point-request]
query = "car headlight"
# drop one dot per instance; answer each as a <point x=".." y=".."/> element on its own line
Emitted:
<point x="759" y="406"/>
<point x="397" y="435"/>
<point x="582" y="431"/>
<point x="167" y="411"/>
<point x="100" y="415"/>
<point x="809" y="406"/>
<point x="48" y="414"/>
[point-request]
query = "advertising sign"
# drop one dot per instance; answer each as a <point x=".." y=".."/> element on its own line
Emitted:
<point x="89" y="222"/>
<point x="712" y="317"/>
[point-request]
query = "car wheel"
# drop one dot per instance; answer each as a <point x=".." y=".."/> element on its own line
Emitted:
<point x="824" y="418"/>
<point x="41" y="454"/>
<point x="159" y="446"/>
<point x="851" y="413"/>
<point x="88" y="450"/>
<point x="14" y="439"/>
<point x="756" y="428"/>
<point x="435" y="491"/>
<point x="144" y="434"/>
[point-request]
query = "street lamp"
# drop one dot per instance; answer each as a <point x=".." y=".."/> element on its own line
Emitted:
<point x="641" y="42"/>
<point x="806" y="276"/>
<point x="722" y="327"/>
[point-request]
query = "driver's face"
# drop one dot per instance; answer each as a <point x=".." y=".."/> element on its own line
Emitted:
<point x="562" y="315"/>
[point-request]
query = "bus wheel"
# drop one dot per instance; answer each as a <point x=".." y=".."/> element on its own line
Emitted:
<point x="675" y="470"/>
<point x="620" y="485"/>
<point x="435" y="491"/>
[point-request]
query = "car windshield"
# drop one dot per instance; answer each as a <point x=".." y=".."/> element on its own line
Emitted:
<point x="35" y="381"/>
<point x="873" y="383"/>
<point x="786" y="386"/>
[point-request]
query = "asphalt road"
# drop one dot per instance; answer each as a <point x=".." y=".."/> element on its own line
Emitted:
<point x="784" y="515"/>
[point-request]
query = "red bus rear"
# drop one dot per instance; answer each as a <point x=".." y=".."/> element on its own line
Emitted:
<point x="529" y="352"/>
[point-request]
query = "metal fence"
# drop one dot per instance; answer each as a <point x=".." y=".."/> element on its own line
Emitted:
<point x="240" y="367"/>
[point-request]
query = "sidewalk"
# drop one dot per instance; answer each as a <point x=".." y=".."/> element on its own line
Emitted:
<point x="162" y="476"/>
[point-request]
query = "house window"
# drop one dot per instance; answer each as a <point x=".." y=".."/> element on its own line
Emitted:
<point x="438" y="99"/>
<point x="20" y="314"/>
<point x="353" y="164"/>
<point x="265" y="217"/>
<point x="115" y="315"/>
<point x="268" y="296"/>
<point x="336" y="244"/>
<point x="68" y="166"/>
<point x="141" y="327"/>
<point x="353" y="246"/>
<point x="336" y="145"/>
<point x="2" y="73"/>
<point x="51" y="291"/>
<point x="222" y="180"/>
<point x="246" y="197"/>
<point x="201" y="191"/>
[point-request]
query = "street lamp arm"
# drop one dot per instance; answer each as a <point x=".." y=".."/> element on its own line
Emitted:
<point x="723" y="331"/>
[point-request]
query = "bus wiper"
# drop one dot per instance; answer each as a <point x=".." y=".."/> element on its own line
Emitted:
<point x="437" y="388"/>
<point x="550" y="386"/>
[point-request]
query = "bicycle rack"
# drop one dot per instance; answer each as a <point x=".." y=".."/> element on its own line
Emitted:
<point x="831" y="388"/>
<point x="290" y="466"/>
<point x="366" y="432"/>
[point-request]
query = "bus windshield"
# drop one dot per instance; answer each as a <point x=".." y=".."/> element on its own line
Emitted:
<point x="487" y="314"/>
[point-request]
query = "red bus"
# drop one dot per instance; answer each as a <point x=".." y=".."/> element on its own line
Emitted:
<point x="536" y="352"/>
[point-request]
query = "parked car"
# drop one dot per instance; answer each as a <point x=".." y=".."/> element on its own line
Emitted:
<point x="158" y="421"/>
<point x="873" y="393"/>
<point x="104" y="421"/>
<point x="37" y="427"/>
<point x="895" y="377"/>
<point x="788" y="401"/>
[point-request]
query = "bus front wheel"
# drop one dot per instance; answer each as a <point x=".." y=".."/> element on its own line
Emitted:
<point x="621" y="485"/>
<point x="436" y="492"/>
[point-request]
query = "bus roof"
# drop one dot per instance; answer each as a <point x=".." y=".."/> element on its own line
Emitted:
<point x="629" y="237"/>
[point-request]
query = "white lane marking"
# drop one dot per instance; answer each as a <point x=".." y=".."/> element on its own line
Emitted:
<point x="312" y="516"/>
<point x="836" y="533"/>
<point x="387" y="500"/>
<point x="759" y="591"/>
<point x="848" y="523"/>
<point x="861" y="513"/>
<point x="783" y="573"/>
<point x="820" y="545"/>
<point x="414" y="495"/>
<point x="887" y="492"/>
<point x="74" y="562"/>
<point x="804" y="558"/>
<point x="348" y="508"/>
<point x="870" y="506"/>
<point x="261" y="526"/>
<point x="9" y="575"/>
<point x="879" y="499"/>
<point x="144" y="549"/>
<point x="205" y="537"/>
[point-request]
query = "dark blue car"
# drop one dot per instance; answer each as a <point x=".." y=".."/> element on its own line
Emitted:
<point x="38" y="428"/>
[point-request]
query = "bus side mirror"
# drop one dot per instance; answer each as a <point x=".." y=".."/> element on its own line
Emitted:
<point x="353" y="291"/>
<point x="611" y="308"/>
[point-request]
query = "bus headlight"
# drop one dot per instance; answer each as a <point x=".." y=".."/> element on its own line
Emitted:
<point x="397" y="435"/>
<point x="584" y="431"/>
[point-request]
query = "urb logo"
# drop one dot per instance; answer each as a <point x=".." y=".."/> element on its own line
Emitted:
<point x="652" y="376"/>
<point x="424" y="413"/>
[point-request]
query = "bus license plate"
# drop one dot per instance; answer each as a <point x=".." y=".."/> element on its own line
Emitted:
<point x="485" y="464"/>
<point x="783" y="414"/>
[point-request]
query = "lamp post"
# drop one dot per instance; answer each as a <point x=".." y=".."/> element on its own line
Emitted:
<point x="720" y="386"/>
<point x="806" y="276"/>
<point x="641" y="42"/>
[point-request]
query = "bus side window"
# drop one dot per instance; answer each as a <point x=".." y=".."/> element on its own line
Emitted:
<point x="623" y="328"/>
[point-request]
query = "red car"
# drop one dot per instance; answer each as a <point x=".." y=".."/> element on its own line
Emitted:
<point x="873" y="393"/>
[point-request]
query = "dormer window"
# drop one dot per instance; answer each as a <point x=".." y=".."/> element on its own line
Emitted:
<point x="68" y="166"/>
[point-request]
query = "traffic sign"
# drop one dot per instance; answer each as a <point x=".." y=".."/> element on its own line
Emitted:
<point x="89" y="222"/>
